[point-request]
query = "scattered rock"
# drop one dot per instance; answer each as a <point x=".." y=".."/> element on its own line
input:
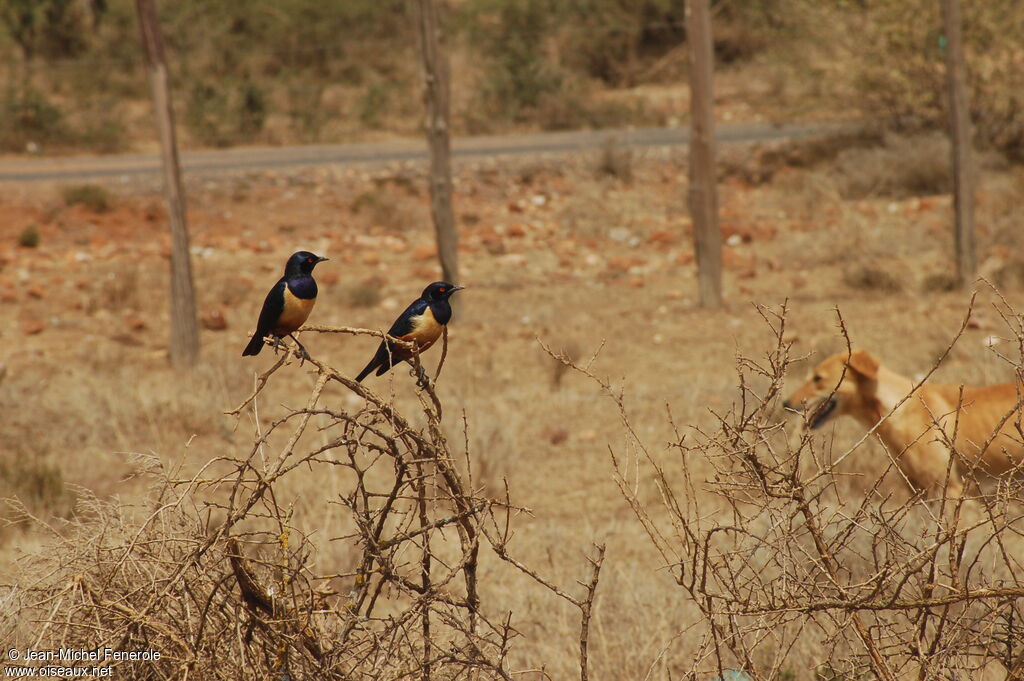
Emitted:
<point x="126" y="339"/>
<point x="424" y="252"/>
<point x="426" y="273"/>
<point x="32" y="325"/>
<point x="736" y="261"/>
<point x="494" y="244"/>
<point x="556" y="435"/>
<point x="976" y="321"/>
<point x="136" y="323"/>
<point x="214" y="320"/>
<point x="662" y="238"/>
<point x="621" y="264"/>
<point x="619" y="234"/>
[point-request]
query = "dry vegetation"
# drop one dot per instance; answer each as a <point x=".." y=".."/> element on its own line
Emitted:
<point x="295" y="71"/>
<point x="130" y="478"/>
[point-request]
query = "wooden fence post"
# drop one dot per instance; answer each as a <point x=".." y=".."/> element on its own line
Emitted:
<point x="184" y="341"/>
<point x="703" y="196"/>
<point x="960" y="139"/>
<point x="436" y="98"/>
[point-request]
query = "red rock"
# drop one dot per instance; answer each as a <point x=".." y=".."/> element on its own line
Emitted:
<point x="32" y="325"/>
<point x="685" y="258"/>
<point x="663" y="237"/>
<point x="371" y="259"/>
<point x="976" y="322"/>
<point x="637" y="282"/>
<point x="494" y="244"/>
<point x="426" y="272"/>
<point x="424" y="252"/>
<point x="516" y="231"/>
<point x="735" y="261"/>
<point x="256" y="246"/>
<point x="137" y="323"/>
<point x="36" y="292"/>
<point x="330" y="277"/>
<point x="214" y="320"/>
<point x="732" y="229"/>
<point x="622" y="263"/>
<point x="556" y="435"/>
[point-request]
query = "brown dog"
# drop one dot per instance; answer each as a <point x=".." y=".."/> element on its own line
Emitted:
<point x="857" y="385"/>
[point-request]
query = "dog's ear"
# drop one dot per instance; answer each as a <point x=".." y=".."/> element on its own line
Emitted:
<point x="863" y="364"/>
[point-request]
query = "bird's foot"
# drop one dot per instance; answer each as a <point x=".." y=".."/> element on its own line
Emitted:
<point x="422" y="381"/>
<point x="300" y="350"/>
<point x="276" y="343"/>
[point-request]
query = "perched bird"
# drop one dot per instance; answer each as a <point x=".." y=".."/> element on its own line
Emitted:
<point x="422" y="324"/>
<point x="288" y="304"/>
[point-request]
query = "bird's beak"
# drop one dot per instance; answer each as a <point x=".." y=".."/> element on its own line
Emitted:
<point x="321" y="259"/>
<point x="457" y="288"/>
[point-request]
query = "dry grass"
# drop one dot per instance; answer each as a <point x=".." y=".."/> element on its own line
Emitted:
<point x="869" y="278"/>
<point x="90" y="401"/>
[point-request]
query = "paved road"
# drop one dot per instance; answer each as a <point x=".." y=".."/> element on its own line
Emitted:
<point x="199" y="162"/>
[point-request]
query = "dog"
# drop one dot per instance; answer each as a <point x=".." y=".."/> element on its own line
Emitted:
<point x="857" y="385"/>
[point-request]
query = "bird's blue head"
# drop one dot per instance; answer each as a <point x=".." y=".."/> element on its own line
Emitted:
<point x="302" y="262"/>
<point x="440" y="290"/>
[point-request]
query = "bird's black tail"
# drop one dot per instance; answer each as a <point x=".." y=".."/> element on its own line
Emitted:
<point x="254" y="346"/>
<point x="366" y="370"/>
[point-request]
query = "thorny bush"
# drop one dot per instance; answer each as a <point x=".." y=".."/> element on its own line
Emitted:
<point x="217" y="577"/>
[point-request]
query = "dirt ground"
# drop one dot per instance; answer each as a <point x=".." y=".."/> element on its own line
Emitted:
<point x="579" y="253"/>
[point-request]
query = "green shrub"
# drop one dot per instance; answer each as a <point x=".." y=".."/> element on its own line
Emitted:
<point x="616" y="40"/>
<point x="895" y="73"/>
<point x="92" y="196"/>
<point x="512" y="37"/>
<point x="27" y="116"/>
<point x="374" y="104"/>
<point x="220" y="114"/>
<point x="29" y="237"/>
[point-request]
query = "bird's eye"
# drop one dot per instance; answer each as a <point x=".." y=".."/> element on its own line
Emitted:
<point x="442" y="289"/>
<point x="309" y="259"/>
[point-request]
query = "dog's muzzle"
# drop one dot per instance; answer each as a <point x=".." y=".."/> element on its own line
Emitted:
<point x="820" y="411"/>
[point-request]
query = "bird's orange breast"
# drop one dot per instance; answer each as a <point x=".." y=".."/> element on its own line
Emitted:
<point x="425" y="331"/>
<point x="296" y="311"/>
